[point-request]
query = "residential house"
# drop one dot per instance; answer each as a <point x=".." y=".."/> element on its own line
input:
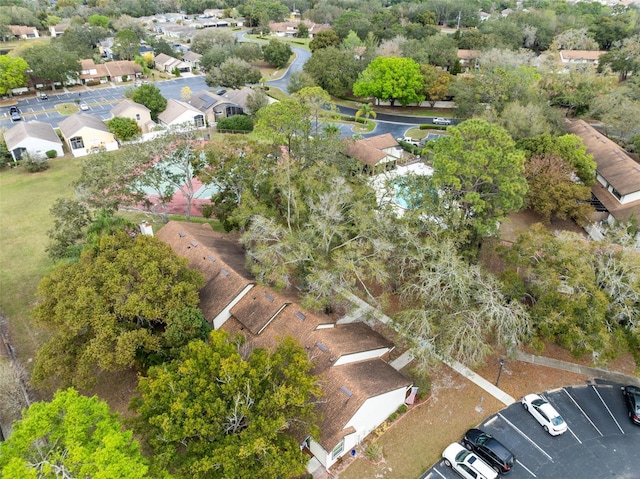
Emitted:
<point x="617" y="189"/>
<point x="34" y="138"/>
<point x="24" y="32"/>
<point x="166" y="63"/>
<point x="468" y="59"/>
<point x="114" y="71"/>
<point x="377" y="153"/>
<point x="290" y="29"/>
<point x="192" y="59"/>
<point x="57" y="30"/>
<point x="135" y="111"/>
<point x="216" y="106"/>
<point x="580" y="57"/>
<point x="360" y="388"/>
<point x="85" y="134"/>
<point x="181" y="114"/>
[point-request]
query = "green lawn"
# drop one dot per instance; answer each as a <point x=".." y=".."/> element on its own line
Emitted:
<point x="25" y="199"/>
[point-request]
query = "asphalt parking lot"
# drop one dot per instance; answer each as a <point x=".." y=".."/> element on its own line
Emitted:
<point x="601" y="441"/>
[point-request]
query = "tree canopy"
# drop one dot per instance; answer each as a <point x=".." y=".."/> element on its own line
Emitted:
<point x="217" y="413"/>
<point x="391" y="79"/>
<point x="71" y="436"/>
<point x="480" y="169"/>
<point x="276" y="53"/>
<point x="111" y="309"/>
<point x="12" y="73"/>
<point x="150" y="96"/>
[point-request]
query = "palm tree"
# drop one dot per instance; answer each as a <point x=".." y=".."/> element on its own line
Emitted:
<point x="366" y="110"/>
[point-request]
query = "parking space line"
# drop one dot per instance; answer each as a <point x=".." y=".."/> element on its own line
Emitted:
<point x="607" y="408"/>
<point x="583" y="413"/>
<point x="527" y="469"/>
<point x="439" y="473"/>
<point x="526" y="437"/>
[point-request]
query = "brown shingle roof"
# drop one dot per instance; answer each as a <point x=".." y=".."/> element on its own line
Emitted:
<point x="468" y="54"/>
<point x="371" y="150"/>
<point x="125" y="105"/>
<point x="219" y="259"/>
<point x="257" y="309"/>
<point x="590" y="55"/>
<point x="174" y="109"/>
<point x="347" y="388"/>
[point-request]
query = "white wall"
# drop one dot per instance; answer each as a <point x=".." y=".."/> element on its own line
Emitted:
<point x="225" y="314"/>
<point x="360" y="356"/>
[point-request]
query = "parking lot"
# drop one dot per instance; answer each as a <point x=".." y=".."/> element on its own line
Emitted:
<point x="601" y="441"/>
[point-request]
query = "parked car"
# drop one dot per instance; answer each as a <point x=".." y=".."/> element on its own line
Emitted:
<point x="632" y="396"/>
<point x="84" y="106"/>
<point x="490" y="450"/>
<point x="466" y="463"/>
<point x="545" y="414"/>
<point x="441" y="121"/>
<point x="409" y="140"/>
<point x="43" y="96"/>
<point x="14" y="113"/>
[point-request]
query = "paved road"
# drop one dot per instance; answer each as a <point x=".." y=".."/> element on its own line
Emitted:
<point x="601" y="441"/>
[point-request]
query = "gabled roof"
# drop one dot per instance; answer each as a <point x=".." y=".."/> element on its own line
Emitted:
<point x="22" y="30"/>
<point x="371" y="150"/>
<point x="175" y="108"/>
<point x="346" y="388"/>
<point x="192" y="57"/>
<point x="125" y="105"/>
<point x="351" y="338"/>
<point x="30" y="129"/>
<point x="205" y="100"/>
<point x="72" y="125"/>
<point x="581" y="55"/>
<point x="219" y="259"/>
<point x="163" y="58"/>
<point x="468" y="54"/>
<point x="258" y="308"/>
<point x="613" y="164"/>
<point x="121" y="68"/>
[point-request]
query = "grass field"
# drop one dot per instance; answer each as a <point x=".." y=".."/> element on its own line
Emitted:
<point x="25" y="199"/>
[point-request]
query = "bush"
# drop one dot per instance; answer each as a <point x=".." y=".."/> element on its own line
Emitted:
<point x="34" y="165"/>
<point x="373" y="451"/>
<point x="207" y="211"/>
<point x="429" y="126"/>
<point x="51" y="153"/>
<point x="235" y="123"/>
<point x="422" y="381"/>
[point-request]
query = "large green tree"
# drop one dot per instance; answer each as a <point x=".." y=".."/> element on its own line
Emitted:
<point x="124" y="129"/>
<point x="12" y="73"/>
<point x="150" y="96"/>
<point x="66" y="66"/>
<point x="478" y="167"/>
<point x="276" y="53"/>
<point x="233" y="73"/>
<point x="126" y="44"/>
<point x="391" y="79"/>
<point x="71" y="436"/>
<point x="583" y="295"/>
<point x="110" y="310"/>
<point x="215" y="413"/>
<point x="333" y="69"/>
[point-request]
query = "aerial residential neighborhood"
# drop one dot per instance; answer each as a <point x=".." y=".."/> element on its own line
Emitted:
<point x="265" y="239"/>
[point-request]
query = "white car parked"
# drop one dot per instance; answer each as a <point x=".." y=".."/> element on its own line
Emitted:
<point x="441" y="121"/>
<point x="545" y="414"/>
<point x="466" y="463"/>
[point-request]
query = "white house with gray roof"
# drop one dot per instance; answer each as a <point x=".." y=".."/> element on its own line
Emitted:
<point x="34" y="138"/>
<point x="134" y="111"/>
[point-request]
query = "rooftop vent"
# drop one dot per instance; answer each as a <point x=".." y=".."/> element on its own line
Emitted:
<point x="181" y="234"/>
<point x="224" y="272"/>
<point x="321" y="347"/>
<point x="194" y="244"/>
<point x="346" y="391"/>
<point x="269" y="297"/>
<point x="300" y="316"/>
<point x="211" y="258"/>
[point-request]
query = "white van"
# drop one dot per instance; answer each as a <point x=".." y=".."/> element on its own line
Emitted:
<point x="466" y="463"/>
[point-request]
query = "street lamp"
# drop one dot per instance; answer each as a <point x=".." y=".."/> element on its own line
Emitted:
<point x="500" y="371"/>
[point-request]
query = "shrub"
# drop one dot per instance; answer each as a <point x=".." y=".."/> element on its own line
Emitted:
<point x="34" y="165"/>
<point x="235" y="123"/>
<point x="429" y="126"/>
<point x="422" y="381"/>
<point x="402" y="409"/>
<point x="373" y="451"/>
<point x="51" y="153"/>
<point x="207" y="211"/>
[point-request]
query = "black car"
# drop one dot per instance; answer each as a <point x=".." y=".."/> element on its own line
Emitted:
<point x="632" y="395"/>
<point x="492" y="451"/>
